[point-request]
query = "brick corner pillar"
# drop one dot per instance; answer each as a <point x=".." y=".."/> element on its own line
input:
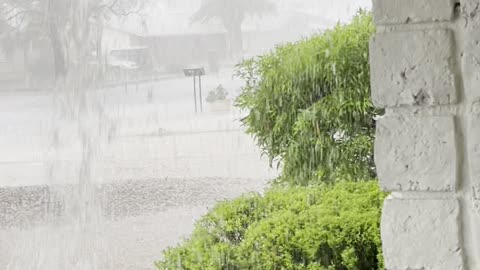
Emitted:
<point x="425" y="73"/>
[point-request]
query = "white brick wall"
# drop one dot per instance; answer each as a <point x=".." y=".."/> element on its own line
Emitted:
<point x="416" y="153"/>
<point x="404" y="11"/>
<point x="425" y="72"/>
<point x="421" y="234"/>
<point x="412" y="68"/>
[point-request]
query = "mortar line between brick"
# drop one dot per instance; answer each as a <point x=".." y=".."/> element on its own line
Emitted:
<point x="461" y="140"/>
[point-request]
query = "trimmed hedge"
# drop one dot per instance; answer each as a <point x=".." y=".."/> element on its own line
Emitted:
<point x="325" y="228"/>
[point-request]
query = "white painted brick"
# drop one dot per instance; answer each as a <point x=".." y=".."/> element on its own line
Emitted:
<point x="416" y="153"/>
<point x="412" y="68"/>
<point x="404" y="11"/>
<point x="474" y="143"/>
<point x="421" y="234"/>
<point x="470" y="67"/>
<point x="471" y="79"/>
<point x="470" y="13"/>
<point x="471" y="49"/>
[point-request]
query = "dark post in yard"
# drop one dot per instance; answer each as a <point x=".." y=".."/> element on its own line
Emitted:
<point x="194" y="72"/>
<point x="195" y="92"/>
<point x="200" y="92"/>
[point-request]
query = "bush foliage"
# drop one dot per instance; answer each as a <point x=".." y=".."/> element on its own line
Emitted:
<point x="309" y="104"/>
<point x="325" y="228"/>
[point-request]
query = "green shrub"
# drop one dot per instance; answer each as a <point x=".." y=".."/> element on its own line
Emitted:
<point x="309" y="104"/>
<point x="219" y="93"/>
<point x="325" y="228"/>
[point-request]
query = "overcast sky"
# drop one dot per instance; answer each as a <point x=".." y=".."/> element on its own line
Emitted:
<point x="343" y="9"/>
<point x="173" y="16"/>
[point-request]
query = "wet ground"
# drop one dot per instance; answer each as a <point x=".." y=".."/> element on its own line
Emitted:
<point x="163" y="166"/>
<point x="142" y="219"/>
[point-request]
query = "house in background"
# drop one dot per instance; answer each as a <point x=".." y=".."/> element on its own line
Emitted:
<point x="173" y="42"/>
<point x="122" y="56"/>
<point x="164" y="40"/>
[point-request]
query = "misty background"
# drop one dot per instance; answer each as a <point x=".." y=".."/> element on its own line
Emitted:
<point x="146" y="39"/>
<point x="95" y="90"/>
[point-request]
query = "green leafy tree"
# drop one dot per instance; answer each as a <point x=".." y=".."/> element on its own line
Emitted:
<point x="309" y="104"/>
<point x="231" y="14"/>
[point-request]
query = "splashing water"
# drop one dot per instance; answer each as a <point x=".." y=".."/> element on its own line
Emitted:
<point x="76" y="203"/>
<point x="78" y="121"/>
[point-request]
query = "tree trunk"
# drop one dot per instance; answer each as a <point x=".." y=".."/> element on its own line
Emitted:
<point x="235" y="38"/>
<point x="99" y="50"/>
<point x="60" y="63"/>
<point x="26" y="64"/>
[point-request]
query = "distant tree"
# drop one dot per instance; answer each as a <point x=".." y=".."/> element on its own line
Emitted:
<point x="73" y="28"/>
<point x="231" y="14"/>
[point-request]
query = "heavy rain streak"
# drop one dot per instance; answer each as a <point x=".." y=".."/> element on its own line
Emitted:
<point x="142" y="134"/>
